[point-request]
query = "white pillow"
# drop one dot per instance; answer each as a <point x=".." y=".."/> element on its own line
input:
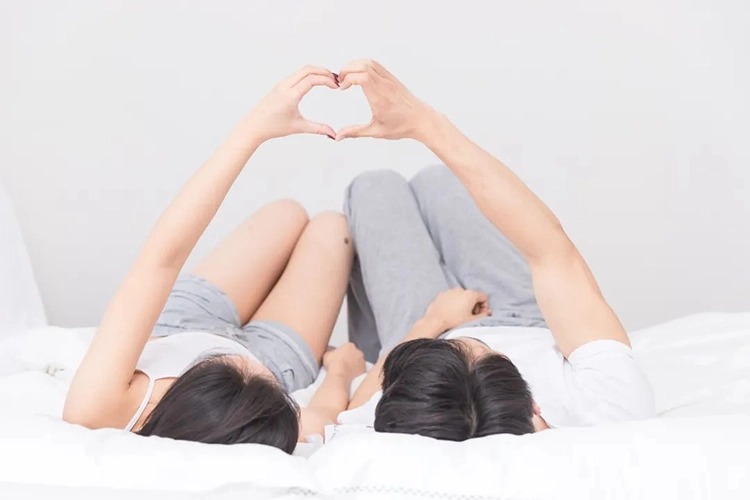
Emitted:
<point x="44" y="450"/>
<point x="691" y="458"/>
<point x="20" y="303"/>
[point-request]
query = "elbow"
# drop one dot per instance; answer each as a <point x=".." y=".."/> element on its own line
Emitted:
<point x="74" y="416"/>
<point x="77" y="414"/>
<point x="556" y="247"/>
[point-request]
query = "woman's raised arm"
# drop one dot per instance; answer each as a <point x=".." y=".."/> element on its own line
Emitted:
<point x="100" y="389"/>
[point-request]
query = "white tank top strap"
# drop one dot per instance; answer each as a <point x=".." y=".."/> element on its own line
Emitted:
<point x="170" y="357"/>
<point x="141" y="408"/>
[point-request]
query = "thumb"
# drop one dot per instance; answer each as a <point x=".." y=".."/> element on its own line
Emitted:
<point x="367" y="130"/>
<point x="318" y="128"/>
<point x="481" y="310"/>
<point x="482" y="306"/>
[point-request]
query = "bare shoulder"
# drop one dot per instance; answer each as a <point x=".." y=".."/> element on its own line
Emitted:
<point x="137" y="393"/>
<point x="117" y="413"/>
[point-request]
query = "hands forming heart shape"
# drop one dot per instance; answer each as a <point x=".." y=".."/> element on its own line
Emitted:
<point x="396" y="112"/>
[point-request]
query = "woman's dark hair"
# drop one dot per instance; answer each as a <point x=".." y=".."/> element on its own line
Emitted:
<point x="215" y="401"/>
<point x="433" y="388"/>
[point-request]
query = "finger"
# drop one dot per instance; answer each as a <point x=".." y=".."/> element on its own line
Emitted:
<point x="481" y="310"/>
<point x="310" y="81"/>
<point x="360" y="79"/>
<point x="301" y="73"/>
<point x="367" y="130"/>
<point x="309" y="127"/>
<point x="358" y="66"/>
<point x="364" y="66"/>
<point x="380" y="69"/>
<point x="481" y="296"/>
<point x="486" y="308"/>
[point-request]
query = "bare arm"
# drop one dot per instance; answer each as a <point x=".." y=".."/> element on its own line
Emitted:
<point x="448" y="310"/>
<point x="100" y="390"/>
<point x="566" y="291"/>
<point x="342" y="365"/>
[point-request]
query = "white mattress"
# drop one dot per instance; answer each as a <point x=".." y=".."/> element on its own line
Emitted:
<point x="699" y="366"/>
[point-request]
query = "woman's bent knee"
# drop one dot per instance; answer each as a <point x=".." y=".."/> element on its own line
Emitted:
<point x="288" y="210"/>
<point x="282" y="216"/>
<point x="329" y="223"/>
<point x="329" y="229"/>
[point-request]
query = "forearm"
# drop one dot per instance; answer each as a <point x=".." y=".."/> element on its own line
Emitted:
<point x="187" y="216"/>
<point x="503" y="197"/>
<point x="332" y="397"/>
<point x="145" y="289"/>
<point x="372" y="383"/>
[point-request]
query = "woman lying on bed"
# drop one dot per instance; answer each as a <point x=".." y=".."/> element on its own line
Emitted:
<point x="212" y="356"/>
<point x="473" y="224"/>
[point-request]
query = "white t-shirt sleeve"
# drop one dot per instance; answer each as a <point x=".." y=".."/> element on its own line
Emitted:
<point x="605" y="384"/>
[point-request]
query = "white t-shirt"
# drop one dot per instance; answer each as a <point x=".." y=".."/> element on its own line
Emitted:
<point x="600" y="382"/>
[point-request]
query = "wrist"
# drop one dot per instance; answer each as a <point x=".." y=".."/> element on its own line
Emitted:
<point x="338" y="374"/>
<point x="428" y="327"/>
<point x="249" y="131"/>
<point x="429" y="125"/>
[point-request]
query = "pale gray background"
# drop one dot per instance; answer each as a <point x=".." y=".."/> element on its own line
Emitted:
<point x="629" y="118"/>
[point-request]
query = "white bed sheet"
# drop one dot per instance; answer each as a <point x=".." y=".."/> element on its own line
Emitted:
<point x="20" y="303"/>
<point x="700" y="368"/>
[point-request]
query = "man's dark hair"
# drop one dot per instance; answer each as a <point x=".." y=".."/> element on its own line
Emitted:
<point x="215" y="401"/>
<point x="434" y="388"/>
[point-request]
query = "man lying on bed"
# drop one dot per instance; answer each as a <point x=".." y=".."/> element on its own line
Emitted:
<point x="452" y="270"/>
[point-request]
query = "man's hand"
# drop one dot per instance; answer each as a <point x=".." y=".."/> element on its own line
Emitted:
<point x="455" y="307"/>
<point x="396" y="112"/>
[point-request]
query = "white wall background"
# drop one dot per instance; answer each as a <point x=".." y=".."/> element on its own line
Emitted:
<point x="629" y="118"/>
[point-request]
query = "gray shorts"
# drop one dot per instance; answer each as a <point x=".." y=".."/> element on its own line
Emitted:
<point x="196" y="305"/>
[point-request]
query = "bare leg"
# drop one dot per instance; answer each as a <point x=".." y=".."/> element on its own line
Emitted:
<point x="248" y="262"/>
<point x="308" y="296"/>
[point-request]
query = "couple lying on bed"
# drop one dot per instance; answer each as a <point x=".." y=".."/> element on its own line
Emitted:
<point x="442" y="271"/>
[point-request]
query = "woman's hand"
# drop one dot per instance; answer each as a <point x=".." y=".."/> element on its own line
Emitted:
<point x="455" y="307"/>
<point x="346" y="361"/>
<point x="277" y="115"/>
<point x="332" y="397"/>
<point x="396" y="112"/>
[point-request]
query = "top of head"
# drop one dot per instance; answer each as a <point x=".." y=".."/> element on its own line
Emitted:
<point x="440" y="389"/>
<point x="216" y="401"/>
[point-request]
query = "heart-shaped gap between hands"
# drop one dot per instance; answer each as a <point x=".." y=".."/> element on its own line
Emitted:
<point x="336" y="109"/>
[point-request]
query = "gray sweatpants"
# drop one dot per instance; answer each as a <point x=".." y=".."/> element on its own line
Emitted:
<point x="416" y="239"/>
